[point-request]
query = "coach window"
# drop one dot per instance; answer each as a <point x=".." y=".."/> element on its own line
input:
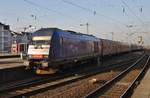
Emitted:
<point x="95" y="46"/>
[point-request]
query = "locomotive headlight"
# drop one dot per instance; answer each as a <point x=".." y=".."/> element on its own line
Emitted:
<point x="45" y="64"/>
<point x="29" y="56"/>
<point x="26" y="63"/>
<point x="45" y="56"/>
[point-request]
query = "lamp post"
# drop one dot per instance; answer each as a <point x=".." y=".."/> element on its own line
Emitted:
<point x="34" y="17"/>
<point x="87" y="27"/>
<point x="129" y="35"/>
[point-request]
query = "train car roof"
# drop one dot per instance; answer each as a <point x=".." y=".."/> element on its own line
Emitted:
<point x="124" y="43"/>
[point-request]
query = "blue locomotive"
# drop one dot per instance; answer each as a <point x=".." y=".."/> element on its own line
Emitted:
<point x="52" y="48"/>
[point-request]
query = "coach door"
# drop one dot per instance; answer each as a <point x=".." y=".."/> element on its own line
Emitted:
<point x="96" y="49"/>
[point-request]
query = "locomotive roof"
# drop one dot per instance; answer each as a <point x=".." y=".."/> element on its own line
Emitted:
<point x="64" y="33"/>
<point x="44" y="31"/>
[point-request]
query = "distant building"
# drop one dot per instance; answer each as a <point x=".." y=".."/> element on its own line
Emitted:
<point x="5" y="38"/>
<point x="20" y="42"/>
<point x="23" y="37"/>
<point x="8" y="39"/>
<point x="26" y="37"/>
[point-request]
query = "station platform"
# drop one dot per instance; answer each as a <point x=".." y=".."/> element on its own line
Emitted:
<point x="9" y="55"/>
<point x="12" y="69"/>
<point x="6" y="63"/>
<point x="143" y="89"/>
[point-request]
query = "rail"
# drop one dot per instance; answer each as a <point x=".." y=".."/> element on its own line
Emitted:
<point x="52" y="84"/>
<point x="129" y="90"/>
<point x="108" y="84"/>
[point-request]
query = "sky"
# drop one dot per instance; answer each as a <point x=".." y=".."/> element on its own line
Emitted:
<point x="127" y="19"/>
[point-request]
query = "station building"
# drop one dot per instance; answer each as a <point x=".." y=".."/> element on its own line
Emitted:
<point x="13" y="42"/>
<point x="5" y="38"/>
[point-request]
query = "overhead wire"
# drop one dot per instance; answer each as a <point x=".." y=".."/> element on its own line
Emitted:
<point x="142" y="28"/>
<point x="48" y="9"/>
<point x="138" y="18"/>
<point x="55" y="11"/>
<point x="87" y="9"/>
<point x="97" y="13"/>
<point x="93" y="11"/>
<point x="76" y="5"/>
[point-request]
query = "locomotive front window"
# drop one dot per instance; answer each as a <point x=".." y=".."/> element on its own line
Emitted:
<point x="41" y="40"/>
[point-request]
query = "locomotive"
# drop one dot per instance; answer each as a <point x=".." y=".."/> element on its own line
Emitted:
<point x="52" y="48"/>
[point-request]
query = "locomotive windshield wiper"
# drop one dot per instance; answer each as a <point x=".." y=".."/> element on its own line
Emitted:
<point x="38" y="46"/>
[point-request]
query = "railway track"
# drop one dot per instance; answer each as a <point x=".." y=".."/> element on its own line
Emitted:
<point x="79" y="88"/>
<point x="15" y="90"/>
<point x="42" y="84"/>
<point x="122" y="85"/>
